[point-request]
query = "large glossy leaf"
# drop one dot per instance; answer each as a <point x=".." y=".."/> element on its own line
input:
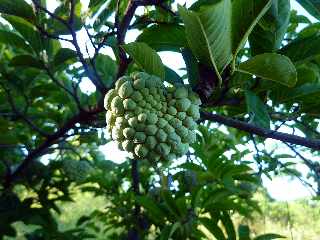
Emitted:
<point x="312" y="6"/>
<point x="258" y="112"/>
<point x="298" y="93"/>
<point x="272" y="67"/>
<point x="14" y="40"/>
<point x="209" y="34"/>
<point x="26" y="61"/>
<point x="267" y="36"/>
<point x="63" y="55"/>
<point x="172" y="77"/>
<point x="245" y="15"/>
<point x="302" y="49"/>
<point x="18" y="8"/>
<point x="146" y="58"/>
<point x="164" y="37"/>
<point x="107" y="69"/>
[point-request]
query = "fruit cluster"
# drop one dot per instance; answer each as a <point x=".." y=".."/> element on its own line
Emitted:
<point x="76" y="170"/>
<point x="151" y="121"/>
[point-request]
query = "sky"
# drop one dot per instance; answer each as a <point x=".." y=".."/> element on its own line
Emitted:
<point x="280" y="188"/>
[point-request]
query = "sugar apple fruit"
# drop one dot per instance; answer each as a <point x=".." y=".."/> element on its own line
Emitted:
<point x="76" y="171"/>
<point x="151" y="121"/>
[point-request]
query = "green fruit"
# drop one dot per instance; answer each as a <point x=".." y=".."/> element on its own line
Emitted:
<point x="129" y="133"/>
<point x="193" y="111"/>
<point x="122" y="80"/>
<point x="137" y="96"/>
<point x="129" y="104"/>
<point x="172" y="111"/>
<point x="163" y="149"/>
<point x="181" y="92"/>
<point x="128" y="145"/>
<point x="108" y="98"/>
<point x="141" y="151"/>
<point x="161" y="135"/>
<point x="133" y="122"/>
<point x="168" y="128"/>
<point x="151" y="142"/>
<point x="117" y="106"/>
<point x="148" y="120"/>
<point x="194" y="98"/>
<point x="139" y="137"/>
<point x="162" y="122"/>
<point x="139" y="83"/>
<point x="125" y="90"/>
<point x="142" y="117"/>
<point x="181" y="115"/>
<point x="151" y="129"/>
<point x="152" y="118"/>
<point x="183" y="104"/>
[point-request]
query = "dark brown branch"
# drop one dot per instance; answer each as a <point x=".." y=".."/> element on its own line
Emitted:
<point x="52" y="36"/>
<point x="262" y="132"/>
<point x="14" y="108"/>
<point x="51" y="139"/>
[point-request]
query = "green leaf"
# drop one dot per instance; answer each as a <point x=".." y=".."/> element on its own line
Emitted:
<point x="63" y="55"/>
<point x="244" y="232"/>
<point x="257" y="110"/>
<point x="14" y="40"/>
<point x="107" y="69"/>
<point x="302" y="49"/>
<point x="209" y="34"/>
<point x="172" y="77"/>
<point x="245" y="16"/>
<point x="151" y="207"/>
<point x="267" y="36"/>
<point x="303" y="91"/>
<point x="312" y="6"/>
<point x="192" y="67"/>
<point x="28" y="32"/>
<point x="146" y="58"/>
<point x="213" y="228"/>
<point x="170" y="202"/>
<point x="272" y="67"/>
<point x="174" y="228"/>
<point x="164" y="37"/>
<point x="63" y="11"/>
<point x="26" y="61"/>
<point x="103" y="16"/>
<point x="268" y="236"/>
<point x="17" y="8"/>
<point x="227" y="223"/>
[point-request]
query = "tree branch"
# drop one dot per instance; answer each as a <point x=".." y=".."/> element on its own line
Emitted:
<point x="82" y="116"/>
<point x="262" y="132"/>
<point x="14" y="108"/>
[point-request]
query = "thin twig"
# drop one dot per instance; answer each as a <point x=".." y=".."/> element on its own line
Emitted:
<point x="263" y="132"/>
<point x="14" y="108"/>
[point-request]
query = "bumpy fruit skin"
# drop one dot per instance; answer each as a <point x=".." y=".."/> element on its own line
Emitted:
<point x="151" y="121"/>
<point x="76" y="171"/>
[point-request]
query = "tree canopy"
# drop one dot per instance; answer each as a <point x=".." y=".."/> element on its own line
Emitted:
<point x="255" y="64"/>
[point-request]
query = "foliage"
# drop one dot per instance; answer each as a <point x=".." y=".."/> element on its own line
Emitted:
<point x="254" y="68"/>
